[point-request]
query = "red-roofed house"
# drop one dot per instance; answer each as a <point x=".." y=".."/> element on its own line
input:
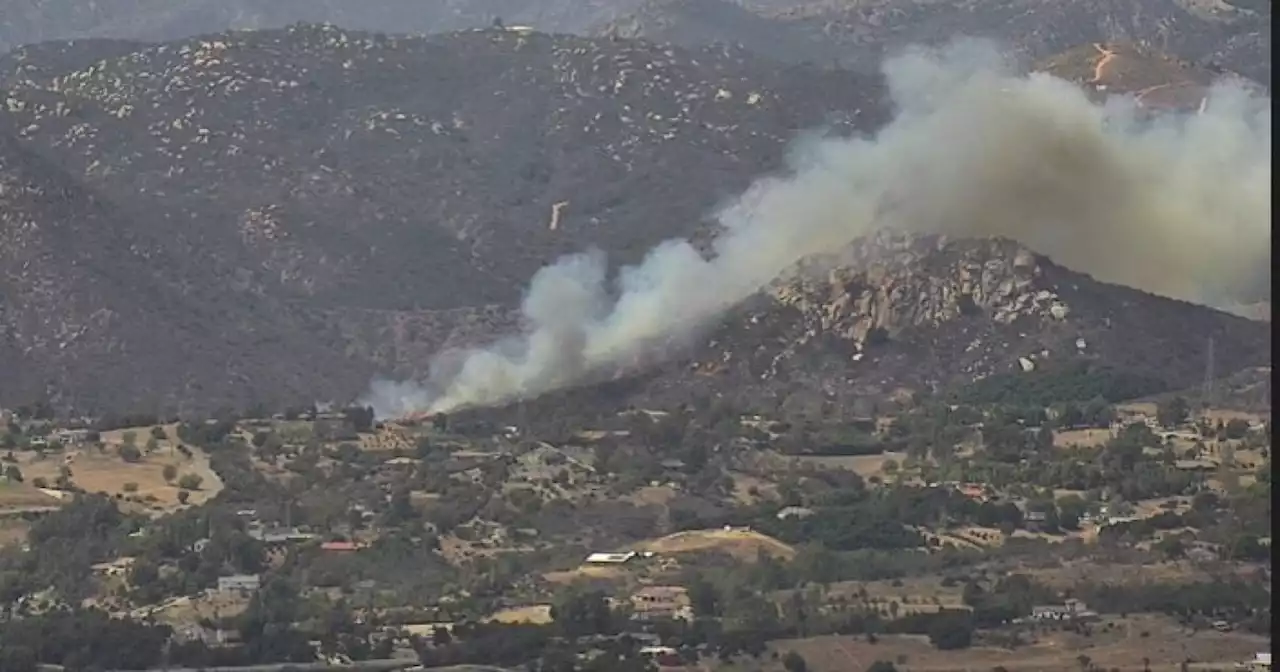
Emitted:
<point x="340" y="546"/>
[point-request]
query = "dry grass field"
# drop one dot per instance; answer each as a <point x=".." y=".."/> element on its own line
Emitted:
<point x="588" y="572"/>
<point x="1124" y="646"/>
<point x="19" y="497"/>
<point x="918" y="594"/>
<point x="865" y="466"/>
<point x="1083" y="438"/>
<point x="741" y="544"/>
<point x="106" y="471"/>
<point x="535" y="613"/>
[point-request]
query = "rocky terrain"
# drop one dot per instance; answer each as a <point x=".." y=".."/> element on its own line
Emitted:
<point x="1233" y="34"/>
<point x="277" y="216"/>
<point x="27" y="22"/>
<point x="898" y="315"/>
<point x="348" y="187"/>
<point x="95" y="312"/>
<point x="1153" y="78"/>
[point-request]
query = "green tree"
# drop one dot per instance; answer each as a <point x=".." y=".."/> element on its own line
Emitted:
<point x="1172" y="412"/>
<point x="1071" y="508"/>
<point x="190" y="482"/>
<point x="170" y="472"/>
<point x="882" y="666"/>
<point x="183" y="496"/>
<point x="794" y="662"/>
<point x="130" y="453"/>
<point x="1236" y="429"/>
<point x="704" y="598"/>
<point x="13" y="473"/>
<point x="579" y="613"/>
<point x="951" y="632"/>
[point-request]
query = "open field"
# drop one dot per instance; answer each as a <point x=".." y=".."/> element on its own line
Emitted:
<point x="658" y="495"/>
<point x="13" y="532"/>
<point x="106" y="471"/>
<point x="865" y="466"/>
<point x="917" y="594"/>
<point x="592" y="572"/>
<point x="1122" y="646"/>
<point x="1084" y="438"/>
<point x="210" y="605"/>
<point x="534" y="613"/>
<point x="19" y="497"/>
<point x="741" y="544"/>
<point x="1072" y="573"/>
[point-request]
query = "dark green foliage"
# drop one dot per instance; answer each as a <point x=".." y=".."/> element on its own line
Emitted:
<point x="361" y="418"/>
<point x="1045" y="387"/>
<point x="951" y="631"/>
<point x="583" y="612"/>
<point x="1231" y="599"/>
<point x="82" y="639"/>
<point x="794" y="662"/>
<point x="490" y="644"/>
<point x="65" y="544"/>
<point x="1008" y="598"/>
<point x="1173" y="412"/>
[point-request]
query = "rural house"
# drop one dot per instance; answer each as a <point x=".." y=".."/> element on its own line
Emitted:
<point x="661" y="602"/>
<point x="239" y="583"/>
<point x="1070" y="610"/>
<point x="610" y="558"/>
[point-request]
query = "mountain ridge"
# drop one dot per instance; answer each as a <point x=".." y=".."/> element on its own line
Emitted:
<point x="322" y="206"/>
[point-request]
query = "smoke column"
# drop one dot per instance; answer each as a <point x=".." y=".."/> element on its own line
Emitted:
<point x="1178" y="205"/>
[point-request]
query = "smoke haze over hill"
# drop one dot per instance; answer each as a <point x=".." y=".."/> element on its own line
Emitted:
<point x="1177" y="205"/>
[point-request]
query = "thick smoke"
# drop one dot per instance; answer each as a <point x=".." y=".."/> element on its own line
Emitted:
<point x="1178" y="205"/>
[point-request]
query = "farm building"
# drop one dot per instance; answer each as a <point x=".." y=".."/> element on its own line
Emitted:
<point x="239" y="583"/>
<point x="610" y="558"/>
<point x="661" y="602"/>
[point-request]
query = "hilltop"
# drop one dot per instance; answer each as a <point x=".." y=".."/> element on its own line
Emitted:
<point x="24" y="22"/>
<point x="1153" y="78"/>
<point x="369" y="195"/>
<point x="1231" y="36"/>
<point x="1234" y="35"/>
<point x="278" y="216"/>
<point x="895" y="318"/>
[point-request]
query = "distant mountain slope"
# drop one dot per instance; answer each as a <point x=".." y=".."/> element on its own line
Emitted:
<point x="347" y="187"/>
<point x="906" y="315"/>
<point x="280" y="215"/>
<point x="1155" y="79"/>
<point x="1236" y="34"/>
<point x="928" y="314"/>
<point x="31" y="21"/>
<point x="96" y="314"/>
<point x="858" y="35"/>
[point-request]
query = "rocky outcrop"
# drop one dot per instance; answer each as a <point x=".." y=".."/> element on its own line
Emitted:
<point x="886" y="288"/>
<point x="899" y="314"/>
<point x="360" y="198"/>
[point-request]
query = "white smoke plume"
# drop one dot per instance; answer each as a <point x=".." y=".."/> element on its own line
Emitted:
<point x="1178" y="205"/>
